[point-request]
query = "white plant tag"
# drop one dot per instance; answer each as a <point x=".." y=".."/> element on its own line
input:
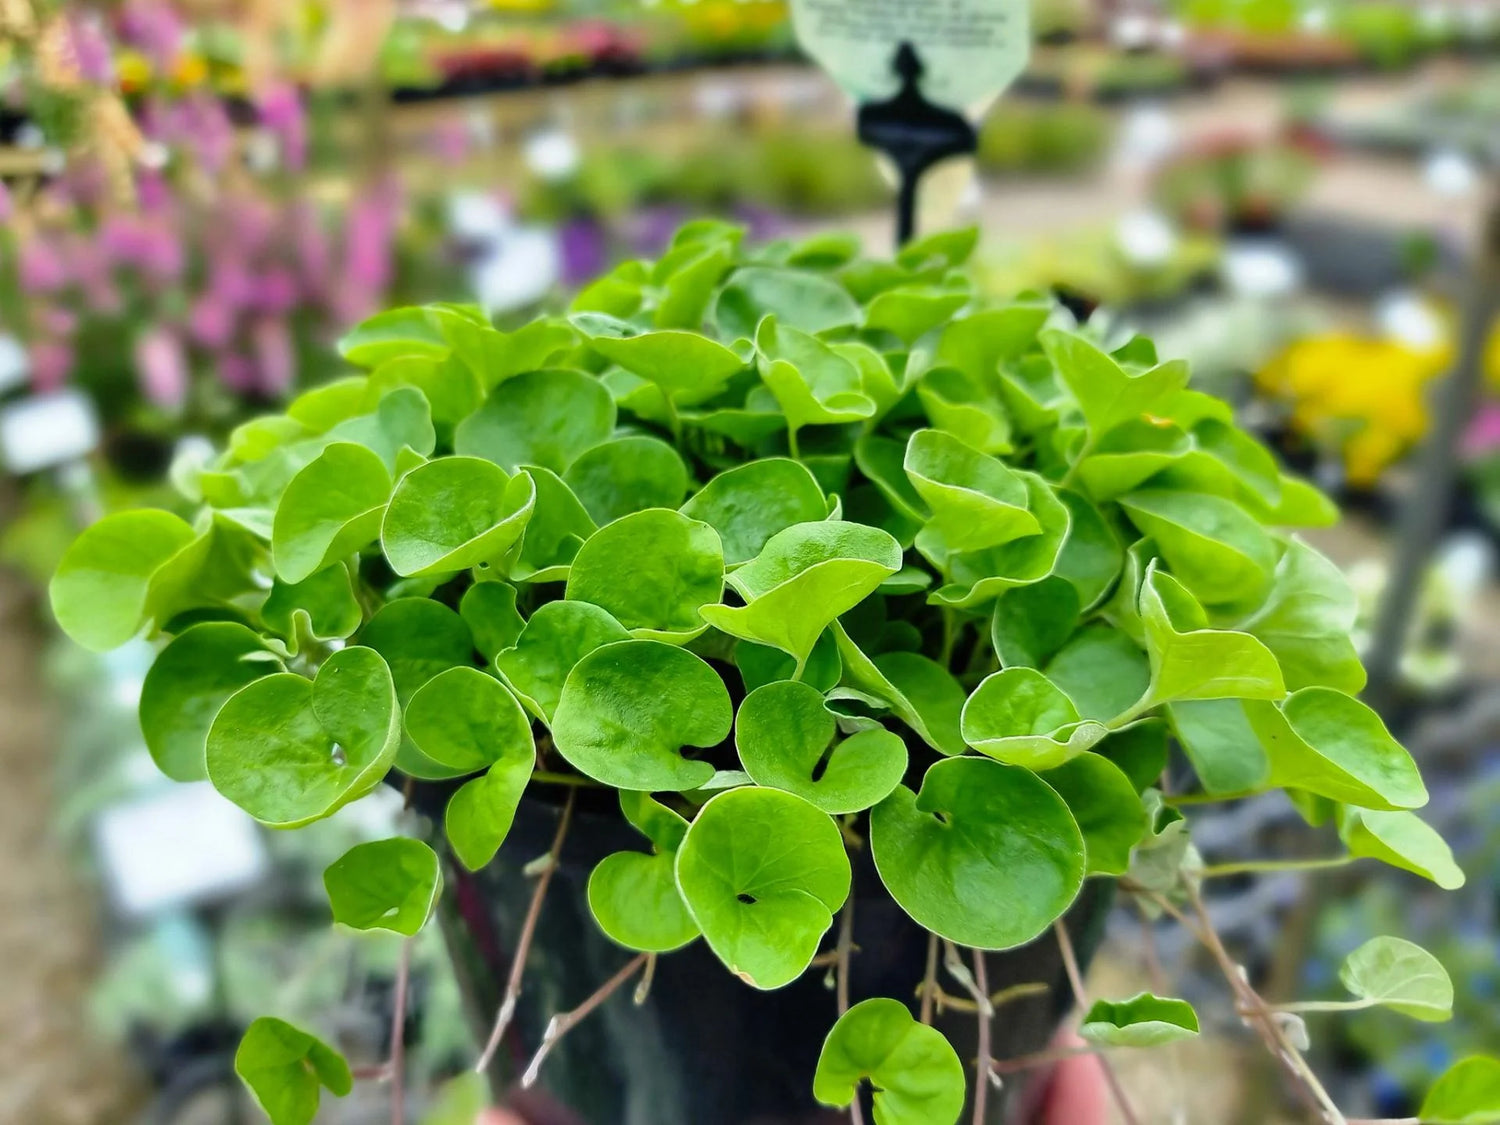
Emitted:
<point x="47" y="430"/>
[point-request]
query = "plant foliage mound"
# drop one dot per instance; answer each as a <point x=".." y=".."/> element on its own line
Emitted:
<point x="799" y="552"/>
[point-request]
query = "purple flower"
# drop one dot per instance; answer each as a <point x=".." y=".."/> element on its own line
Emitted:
<point x="51" y="363"/>
<point x="41" y="267"/>
<point x="152" y="26"/>
<point x="275" y="291"/>
<point x="211" y="321"/>
<point x="280" y="108"/>
<point x="368" y="236"/>
<point x="274" y="355"/>
<point x="237" y="372"/>
<point x="584" y="251"/>
<point x="1483" y="436"/>
<point x="5" y="203"/>
<point x="161" y="367"/>
<point x="91" y="49"/>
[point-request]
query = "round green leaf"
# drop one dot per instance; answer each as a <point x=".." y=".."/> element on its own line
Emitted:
<point x="1142" y="1021"/>
<point x="557" y="637"/>
<point x="784" y="734"/>
<point x="1091" y="556"/>
<point x="1129" y="455"/>
<point x="633" y="896"/>
<point x="489" y="610"/>
<point x="1217" y="550"/>
<point x="1031" y="623"/>
<point x="806" y="576"/>
<point x="384" y="885"/>
<point x="455" y="513"/>
<point x="1101" y="670"/>
<point x="1399" y="975"/>
<point x="762" y="873"/>
<point x="289" y="750"/>
<point x="651" y="570"/>
<point x="986" y="855"/>
<point x="628" y="474"/>
<point x="628" y="709"/>
<point x="813" y="384"/>
<point x="479" y="815"/>
<point x="321" y="607"/>
<point x="932" y="692"/>
<point x="1106" y="393"/>
<point x="285" y="1068"/>
<point x="557" y="528"/>
<point x="465" y="721"/>
<point x="390" y="334"/>
<point x="803" y="300"/>
<point x="967" y="408"/>
<point x="1307" y="620"/>
<point x="917" y="1076"/>
<point x="910" y="313"/>
<point x="1021" y="717"/>
<point x="329" y="510"/>
<point x="188" y="683"/>
<point x="976" y="577"/>
<point x="544" y="418"/>
<point x="1106" y="806"/>
<point x="100" y="590"/>
<point x="1468" y="1093"/>
<point x="976" y="501"/>
<point x="688" y="366"/>
<point x="750" y="503"/>
<point x="1401" y="839"/>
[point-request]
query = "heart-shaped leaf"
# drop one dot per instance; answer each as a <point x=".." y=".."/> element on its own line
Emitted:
<point x="455" y="513"/>
<point x="976" y="502"/>
<point x="557" y="637"/>
<point x="1212" y="546"/>
<point x="761" y="664"/>
<point x="633" y="896"/>
<point x="1142" y="1021"/>
<point x="977" y="577"/>
<point x="1467" y="1093"/>
<point x="628" y="474"/>
<point x="557" y="528"/>
<point x="1401" y="839"/>
<point x="329" y="510"/>
<point x="322" y="607"/>
<point x="188" y="683"/>
<point x="285" y="1068"/>
<point x="799" y="300"/>
<point x="910" y="313"/>
<point x="917" y="1076"/>
<point x="628" y="709"/>
<point x="1091" y="557"/>
<point x="813" y="383"/>
<point x="977" y="344"/>
<point x="1191" y="661"/>
<point x="651" y="570"/>
<point x="1107" y="807"/>
<point x="986" y="855"/>
<point x="1101" y="670"/>
<point x="762" y="873"/>
<point x="688" y="367"/>
<point x="1223" y="746"/>
<point x="384" y="885"/>
<point x="289" y="750"/>
<point x="1020" y="717"/>
<point x="784" y="733"/>
<point x="544" y="418"/>
<point x="1129" y="455"/>
<point x="1031" y="623"/>
<point x="465" y="721"/>
<point x="967" y="408"/>
<point x="1396" y="974"/>
<point x="100" y="590"/>
<point x="806" y="576"/>
<point x="932" y="692"/>
<point x="489" y="610"/>
<point x="1332" y="744"/>
<point x="748" y="504"/>
<point x="1307" y="621"/>
<point x="1105" y="392"/>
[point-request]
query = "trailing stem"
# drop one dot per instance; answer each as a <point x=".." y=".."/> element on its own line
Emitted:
<point x="986" y="1015"/>
<point x="398" y="1035"/>
<point x="929" y="979"/>
<point x="1274" y="866"/>
<point x="1080" y="997"/>
<point x="841" y="960"/>
<point x="562" y="1024"/>
<point x="523" y="946"/>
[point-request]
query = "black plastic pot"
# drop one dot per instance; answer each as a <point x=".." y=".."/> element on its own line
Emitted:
<point x="704" y="1047"/>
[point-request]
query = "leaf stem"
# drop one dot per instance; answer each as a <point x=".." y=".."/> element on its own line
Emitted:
<point x="398" y="1036"/>
<point x="1271" y="866"/>
<point x="1039" y="1058"/>
<point x="1083" y="452"/>
<point x="577" y="781"/>
<point x="1184" y="799"/>
<point x="1080" y="997"/>
<point x="929" y="979"/>
<point x="1325" y="1006"/>
<point x="523" y="946"/>
<point x="986" y="1015"/>
<point x="643" y="989"/>
<point x="560" y="1025"/>
<point x="846" y="942"/>
<point x="791" y="442"/>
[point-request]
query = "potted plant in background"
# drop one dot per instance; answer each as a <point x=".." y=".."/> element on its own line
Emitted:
<point x="795" y="636"/>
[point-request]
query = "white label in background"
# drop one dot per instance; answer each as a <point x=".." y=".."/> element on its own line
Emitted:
<point x="970" y="49"/>
<point x="14" y="363"/>
<point x="47" y="431"/>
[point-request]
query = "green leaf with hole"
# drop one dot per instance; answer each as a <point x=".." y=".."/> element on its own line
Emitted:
<point x="489" y="610"/>
<point x="1467" y="1093"/>
<point x="544" y="418"/>
<point x="976" y="502"/>
<point x="750" y="503"/>
<point x="188" y="683"/>
<point x="289" y="750"/>
<point x="330" y="510"/>
<point x="628" y="709"/>
<point x="986" y="855"/>
<point x="1191" y="661"/>
<point x="652" y="571"/>
<point x="1332" y="744"/>
<point x="690" y="368"/>
<point x="1107" y="807"/>
<point x="785" y="737"/>
<point x="101" y="588"/>
<point x="557" y="637"/>
<point x="322" y="607"/>
<point x="1020" y="717"/>
<point x="1211" y="545"/>
<point x="632" y="895"/>
<point x="455" y="513"/>
<point x="814" y="385"/>
<point x="1401" y="839"/>
<point x="1031" y="623"/>
<point x="805" y="301"/>
<point x="917" y="1076"/>
<point x="804" y="578"/>
<point x="1392" y="973"/>
<point x="1307" y="620"/>
<point x="285" y="1069"/>
<point x="384" y="885"/>
<point x="558" y="526"/>
<point x="977" y="577"/>
<point x="628" y="474"/>
<point x="1142" y="1021"/>
<point x="1106" y="393"/>
<point x="762" y="873"/>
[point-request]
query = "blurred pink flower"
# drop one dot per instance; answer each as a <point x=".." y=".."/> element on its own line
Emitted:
<point x="1483" y="436"/>
<point x="152" y="27"/>
<point x="368" y="236"/>
<point x="276" y="291"/>
<point x="41" y="267"/>
<point x="5" y="204"/>
<point x="211" y="321"/>
<point x="274" y="355"/>
<point x="237" y="373"/>
<point x="51" y="363"/>
<point x="310" y="241"/>
<point x="56" y="321"/>
<point x="280" y="108"/>
<point x="91" y="49"/>
<point x="161" y="367"/>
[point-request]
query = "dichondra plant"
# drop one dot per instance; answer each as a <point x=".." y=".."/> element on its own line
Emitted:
<point x="800" y="553"/>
